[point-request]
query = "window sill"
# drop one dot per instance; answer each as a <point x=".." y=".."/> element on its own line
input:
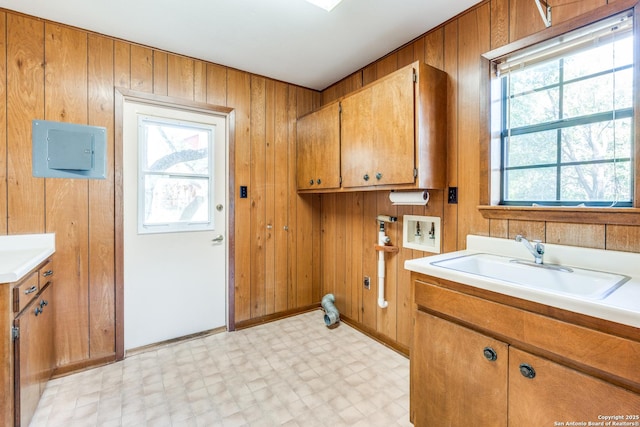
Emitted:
<point x="586" y="215"/>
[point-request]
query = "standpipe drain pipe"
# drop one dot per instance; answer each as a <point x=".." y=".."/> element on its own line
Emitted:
<point x="331" y="315"/>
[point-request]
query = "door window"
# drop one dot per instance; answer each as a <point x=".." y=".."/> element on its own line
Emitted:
<point x="175" y="185"/>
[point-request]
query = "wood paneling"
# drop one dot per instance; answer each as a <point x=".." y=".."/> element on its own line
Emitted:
<point x="623" y="238"/>
<point x="450" y="217"/>
<point x="281" y="171"/>
<point x="101" y="203"/>
<point x="274" y="271"/>
<point x="499" y="23"/>
<point x="239" y="95"/>
<point x="141" y="69"/>
<point x="524" y="19"/>
<point x="3" y="125"/>
<point x="456" y="48"/>
<point x="585" y="235"/>
<point x="199" y="81"/>
<point x="122" y="65"/>
<point x="67" y="210"/>
<point x="530" y="229"/>
<point x="258" y="225"/>
<point x="180" y="72"/>
<point x="160" y="76"/>
<point x="25" y="102"/>
<point x="563" y="10"/>
<point x="473" y="41"/>
<point x="78" y="78"/>
<point x="216" y="84"/>
<point x="434" y="49"/>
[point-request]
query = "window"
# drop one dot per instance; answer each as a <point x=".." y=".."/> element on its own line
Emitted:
<point x="567" y="134"/>
<point x="175" y="176"/>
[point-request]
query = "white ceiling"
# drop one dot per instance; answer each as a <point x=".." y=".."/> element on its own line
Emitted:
<point x="288" y="40"/>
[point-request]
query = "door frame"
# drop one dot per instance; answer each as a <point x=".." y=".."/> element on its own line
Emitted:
<point x="122" y="95"/>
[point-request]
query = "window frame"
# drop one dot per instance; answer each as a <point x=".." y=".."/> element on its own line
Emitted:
<point x="557" y="125"/>
<point x="491" y="143"/>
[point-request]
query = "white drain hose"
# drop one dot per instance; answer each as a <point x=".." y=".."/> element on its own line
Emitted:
<point x="382" y="240"/>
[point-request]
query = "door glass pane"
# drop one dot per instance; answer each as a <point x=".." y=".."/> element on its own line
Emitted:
<point x="178" y="149"/>
<point x="169" y="199"/>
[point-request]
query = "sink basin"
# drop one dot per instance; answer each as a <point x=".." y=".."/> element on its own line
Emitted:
<point x="577" y="282"/>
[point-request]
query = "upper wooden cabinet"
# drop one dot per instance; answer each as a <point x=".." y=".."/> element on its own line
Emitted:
<point x="318" y="154"/>
<point x="391" y="133"/>
<point x="377" y="127"/>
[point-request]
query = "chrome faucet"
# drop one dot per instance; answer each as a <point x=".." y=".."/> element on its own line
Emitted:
<point x="537" y="251"/>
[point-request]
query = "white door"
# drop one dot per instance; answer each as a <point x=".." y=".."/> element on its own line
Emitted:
<point x="175" y="222"/>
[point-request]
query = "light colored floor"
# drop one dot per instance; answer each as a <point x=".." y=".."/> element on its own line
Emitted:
<point x="293" y="372"/>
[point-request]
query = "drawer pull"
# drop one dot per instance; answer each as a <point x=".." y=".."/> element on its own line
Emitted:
<point x="48" y="273"/>
<point x="378" y="176"/>
<point x="527" y="371"/>
<point x="43" y="303"/>
<point x="30" y="290"/>
<point x="490" y="354"/>
<point x="366" y="177"/>
<point x="37" y="311"/>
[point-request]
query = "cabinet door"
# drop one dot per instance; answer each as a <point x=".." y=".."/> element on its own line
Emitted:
<point x="318" y="149"/>
<point x="559" y="394"/>
<point x="393" y="123"/>
<point x="357" y="150"/>
<point x="378" y="141"/>
<point x="27" y="361"/>
<point x="305" y="168"/>
<point x="453" y="383"/>
<point x="46" y="362"/>
<point x="34" y="356"/>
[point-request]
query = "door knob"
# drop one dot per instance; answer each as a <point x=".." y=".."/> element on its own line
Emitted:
<point x="217" y="239"/>
<point x="219" y="208"/>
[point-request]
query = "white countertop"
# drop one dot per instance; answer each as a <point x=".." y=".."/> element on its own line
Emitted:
<point x="621" y="306"/>
<point x="21" y="253"/>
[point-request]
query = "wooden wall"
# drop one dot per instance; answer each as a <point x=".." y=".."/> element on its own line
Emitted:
<point x="289" y="249"/>
<point x="59" y="73"/>
<point x="348" y="220"/>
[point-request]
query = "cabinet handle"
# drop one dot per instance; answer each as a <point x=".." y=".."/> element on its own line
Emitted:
<point x="378" y="176"/>
<point x="37" y="311"/>
<point x="311" y="182"/>
<point x="30" y="290"/>
<point x="43" y="303"/>
<point x="527" y="371"/>
<point x="366" y="177"/>
<point x="490" y="354"/>
<point x="48" y="273"/>
<point x="318" y="181"/>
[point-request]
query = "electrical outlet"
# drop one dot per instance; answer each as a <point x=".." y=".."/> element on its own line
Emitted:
<point x="243" y="191"/>
<point x="453" y="195"/>
<point x="367" y="282"/>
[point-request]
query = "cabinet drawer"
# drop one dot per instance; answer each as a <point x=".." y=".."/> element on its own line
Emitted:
<point x="578" y="345"/>
<point x="25" y="291"/>
<point x="45" y="274"/>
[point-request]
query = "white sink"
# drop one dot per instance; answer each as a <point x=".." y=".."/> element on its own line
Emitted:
<point x="577" y="282"/>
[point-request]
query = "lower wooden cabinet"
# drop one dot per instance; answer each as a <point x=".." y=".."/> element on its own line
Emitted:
<point x="27" y="346"/>
<point x="453" y="383"/>
<point x="480" y="362"/>
<point x="552" y="393"/>
<point x="33" y="354"/>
